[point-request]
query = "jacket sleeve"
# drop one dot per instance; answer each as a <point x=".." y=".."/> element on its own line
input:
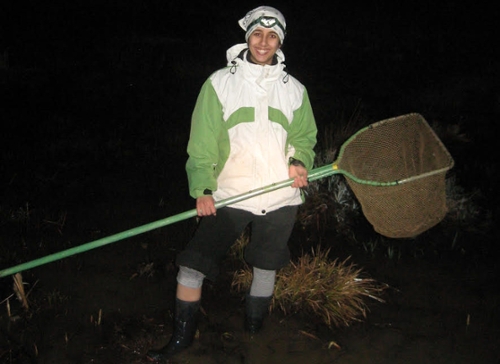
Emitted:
<point x="202" y="148"/>
<point x="302" y="133"/>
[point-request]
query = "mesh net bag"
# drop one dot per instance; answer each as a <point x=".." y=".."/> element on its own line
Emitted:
<point x="397" y="169"/>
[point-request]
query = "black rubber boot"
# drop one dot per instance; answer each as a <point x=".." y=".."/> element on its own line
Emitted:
<point x="256" y="309"/>
<point x="185" y="323"/>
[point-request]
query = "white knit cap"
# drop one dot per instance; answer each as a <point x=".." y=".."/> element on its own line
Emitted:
<point x="265" y="17"/>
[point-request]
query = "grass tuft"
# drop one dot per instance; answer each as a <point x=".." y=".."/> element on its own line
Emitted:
<point x="334" y="291"/>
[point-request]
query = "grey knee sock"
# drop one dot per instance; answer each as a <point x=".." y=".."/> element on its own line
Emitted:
<point x="189" y="277"/>
<point x="262" y="282"/>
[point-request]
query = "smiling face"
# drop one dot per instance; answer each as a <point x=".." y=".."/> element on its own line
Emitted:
<point x="263" y="44"/>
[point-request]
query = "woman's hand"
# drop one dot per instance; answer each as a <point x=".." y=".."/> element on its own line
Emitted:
<point x="205" y="206"/>
<point x="299" y="175"/>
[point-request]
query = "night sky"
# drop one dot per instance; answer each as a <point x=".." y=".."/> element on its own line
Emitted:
<point x="351" y="48"/>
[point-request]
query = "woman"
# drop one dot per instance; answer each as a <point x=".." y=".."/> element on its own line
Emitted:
<point x="252" y="125"/>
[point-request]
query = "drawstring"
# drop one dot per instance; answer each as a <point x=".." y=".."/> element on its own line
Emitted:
<point x="233" y="62"/>
<point x="286" y="77"/>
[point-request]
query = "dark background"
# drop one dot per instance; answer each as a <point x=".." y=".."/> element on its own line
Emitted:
<point x="103" y="62"/>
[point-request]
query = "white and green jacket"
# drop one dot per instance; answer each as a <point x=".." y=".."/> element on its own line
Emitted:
<point x="247" y="123"/>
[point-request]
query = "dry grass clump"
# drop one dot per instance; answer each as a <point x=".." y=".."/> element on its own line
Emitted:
<point x="334" y="291"/>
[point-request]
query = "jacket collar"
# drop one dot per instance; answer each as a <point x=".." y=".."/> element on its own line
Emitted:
<point x="237" y="56"/>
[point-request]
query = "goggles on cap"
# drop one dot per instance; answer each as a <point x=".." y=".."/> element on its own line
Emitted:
<point x="267" y="22"/>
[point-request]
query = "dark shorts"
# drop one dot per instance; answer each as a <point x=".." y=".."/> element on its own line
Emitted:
<point x="266" y="249"/>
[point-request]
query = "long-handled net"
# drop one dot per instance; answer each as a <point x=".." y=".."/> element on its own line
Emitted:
<point x="395" y="167"/>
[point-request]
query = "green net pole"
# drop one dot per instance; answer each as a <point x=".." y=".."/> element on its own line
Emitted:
<point x="313" y="175"/>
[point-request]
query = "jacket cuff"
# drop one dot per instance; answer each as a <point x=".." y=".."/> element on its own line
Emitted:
<point x="295" y="162"/>
<point x="201" y="193"/>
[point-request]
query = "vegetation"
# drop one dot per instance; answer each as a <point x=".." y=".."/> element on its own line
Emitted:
<point x="333" y="291"/>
